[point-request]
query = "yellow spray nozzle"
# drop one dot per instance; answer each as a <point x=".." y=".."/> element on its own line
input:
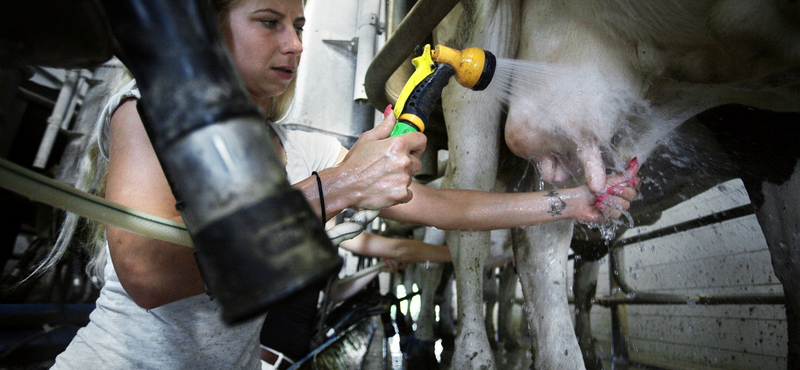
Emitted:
<point x="474" y="66"/>
<point x="423" y="67"/>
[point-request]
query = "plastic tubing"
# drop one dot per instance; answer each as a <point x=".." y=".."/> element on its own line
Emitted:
<point x="48" y="191"/>
<point x="51" y="192"/>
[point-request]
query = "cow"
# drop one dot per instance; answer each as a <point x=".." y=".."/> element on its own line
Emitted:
<point x="621" y="76"/>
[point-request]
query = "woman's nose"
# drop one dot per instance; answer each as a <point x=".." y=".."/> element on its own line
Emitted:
<point x="292" y="42"/>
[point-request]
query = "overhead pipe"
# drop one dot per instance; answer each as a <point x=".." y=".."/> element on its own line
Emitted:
<point x="412" y="31"/>
<point x="256" y="239"/>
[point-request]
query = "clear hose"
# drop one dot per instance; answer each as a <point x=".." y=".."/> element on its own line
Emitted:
<point x="48" y="191"/>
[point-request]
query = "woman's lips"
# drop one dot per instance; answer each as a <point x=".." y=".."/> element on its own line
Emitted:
<point x="284" y="73"/>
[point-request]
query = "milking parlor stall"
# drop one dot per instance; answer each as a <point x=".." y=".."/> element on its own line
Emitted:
<point x="684" y="280"/>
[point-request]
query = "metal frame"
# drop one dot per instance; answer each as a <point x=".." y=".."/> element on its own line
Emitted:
<point x="627" y="295"/>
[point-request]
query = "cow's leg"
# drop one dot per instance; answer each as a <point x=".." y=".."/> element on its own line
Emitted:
<point x="584" y="289"/>
<point x="541" y="255"/>
<point x="447" y="322"/>
<point x="780" y="220"/>
<point x="473" y="128"/>
<point x="490" y="297"/>
<point x="473" y="158"/>
<point x="499" y="253"/>
<point x="409" y="279"/>
<point x="420" y="345"/>
<point x="507" y="296"/>
<point x="429" y="281"/>
<point x="472" y="350"/>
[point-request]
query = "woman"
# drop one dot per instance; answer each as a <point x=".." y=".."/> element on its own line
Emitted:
<point x="152" y="312"/>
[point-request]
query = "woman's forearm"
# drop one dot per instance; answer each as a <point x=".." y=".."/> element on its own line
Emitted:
<point x="341" y="292"/>
<point x="403" y="250"/>
<point x="337" y="191"/>
<point x="477" y="210"/>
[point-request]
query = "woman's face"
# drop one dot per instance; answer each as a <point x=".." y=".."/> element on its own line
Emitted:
<point x="264" y="38"/>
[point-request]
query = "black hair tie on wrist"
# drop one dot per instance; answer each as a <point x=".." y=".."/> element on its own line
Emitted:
<point x="321" y="197"/>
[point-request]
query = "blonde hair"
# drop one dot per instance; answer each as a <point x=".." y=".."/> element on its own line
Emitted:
<point x="92" y="171"/>
<point x="279" y="106"/>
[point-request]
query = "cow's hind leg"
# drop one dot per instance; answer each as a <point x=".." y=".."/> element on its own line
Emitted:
<point x="584" y="288"/>
<point x="780" y="220"/>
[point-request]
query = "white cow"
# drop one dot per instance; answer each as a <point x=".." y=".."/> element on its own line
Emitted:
<point x="619" y="75"/>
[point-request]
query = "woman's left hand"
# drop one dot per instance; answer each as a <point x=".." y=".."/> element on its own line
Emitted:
<point x="393" y="265"/>
<point x="620" y="191"/>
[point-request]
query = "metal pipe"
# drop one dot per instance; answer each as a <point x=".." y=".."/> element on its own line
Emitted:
<point x="699" y="299"/>
<point x="619" y="327"/>
<point x="11" y="109"/>
<point x="54" y="193"/>
<point x="65" y="98"/>
<point x="717" y="217"/>
<point x="628" y="363"/>
<point x="45" y="190"/>
<point x="368" y="17"/>
<point x="35" y="98"/>
<point x="80" y="91"/>
<point x="418" y="24"/>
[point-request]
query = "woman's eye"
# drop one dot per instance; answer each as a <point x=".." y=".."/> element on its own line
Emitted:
<point x="299" y="31"/>
<point x="269" y="22"/>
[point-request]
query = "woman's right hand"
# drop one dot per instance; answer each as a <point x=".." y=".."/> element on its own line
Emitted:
<point x="378" y="169"/>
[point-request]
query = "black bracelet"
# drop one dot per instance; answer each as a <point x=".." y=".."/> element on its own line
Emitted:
<point x="321" y="197"/>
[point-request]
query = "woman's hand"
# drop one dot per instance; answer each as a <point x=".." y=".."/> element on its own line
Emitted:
<point x="393" y="265"/>
<point x="378" y="169"/>
<point x="620" y="191"/>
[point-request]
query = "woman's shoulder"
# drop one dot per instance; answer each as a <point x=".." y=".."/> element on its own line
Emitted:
<point x="307" y="151"/>
<point x="127" y="92"/>
<point x="307" y="141"/>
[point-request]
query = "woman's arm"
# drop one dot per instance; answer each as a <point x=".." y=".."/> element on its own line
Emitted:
<point x="403" y="250"/>
<point x="344" y="290"/>
<point x="152" y="272"/>
<point x="476" y="210"/>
